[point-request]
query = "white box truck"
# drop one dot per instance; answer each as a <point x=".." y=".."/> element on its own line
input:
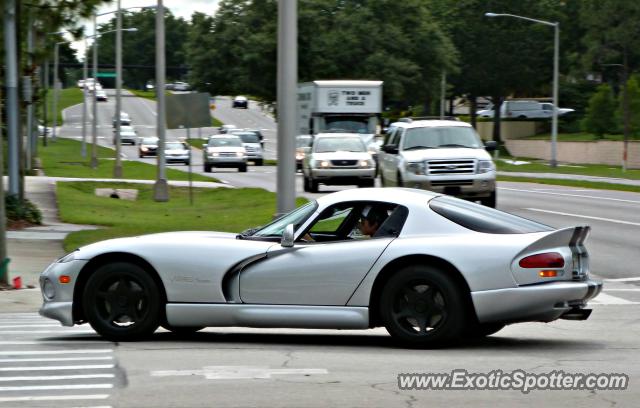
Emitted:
<point x="339" y="106"/>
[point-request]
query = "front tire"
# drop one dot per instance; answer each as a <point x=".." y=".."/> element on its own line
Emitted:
<point x="422" y="307"/>
<point x="207" y="168"/>
<point x="489" y="201"/>
<point x="242" y="169"/>
<point x="122" y="302"/>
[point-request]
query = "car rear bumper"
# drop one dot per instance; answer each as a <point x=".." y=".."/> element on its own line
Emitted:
<point x="541" y="302"/>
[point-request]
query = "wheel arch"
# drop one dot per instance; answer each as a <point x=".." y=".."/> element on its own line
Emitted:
<point x="103" y="259"/>
<point x="417" y="259"/>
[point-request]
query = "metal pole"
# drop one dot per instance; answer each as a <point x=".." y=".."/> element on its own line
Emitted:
<point x="443" y="87"/>
<point x="83" y="150"/>
<point x="161" y="189"/>
<point x="554" y="118"/>
<point x="190" y="173"/>
<point x="11" y="61"/>
<point x="94" y="104"/>
<point x="28" y="149"/>
<point x="56" y="85"/>
<point x="45" y="103"/>
<point x="3" y="234"/>
<point x="287" y="83"/>
<point x="117" y="169"/>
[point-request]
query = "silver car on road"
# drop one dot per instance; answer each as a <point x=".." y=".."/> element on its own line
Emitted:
<point x="435" y="269"/>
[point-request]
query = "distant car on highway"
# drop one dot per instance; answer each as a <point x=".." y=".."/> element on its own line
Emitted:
<point x="181" y="86"/>
<point x="240" y="102"/>
<point x="523" y="110"/>
<point x="101" y="96"/>
<point x="251" y="143"/>
<point x="338" y="158"/>
<point x="303" y="143"/>
<point x="259" y="134"/>
<point x="177" y="152"/>
<point x="126" y="136"/>
<point x="148" y="146"/>
<point x="226" y="128"/>
<point x="224" y="151"/>
<point x="124" y="119"/>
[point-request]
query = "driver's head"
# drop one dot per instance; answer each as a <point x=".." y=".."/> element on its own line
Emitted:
<point x="371" y="220"/>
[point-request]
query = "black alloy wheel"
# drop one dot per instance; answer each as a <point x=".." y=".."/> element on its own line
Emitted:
<point x="122" y="302"/>
<point x="421" y="306"/>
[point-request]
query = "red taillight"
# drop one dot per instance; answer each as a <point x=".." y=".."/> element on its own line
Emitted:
<point x="548" y="260"/>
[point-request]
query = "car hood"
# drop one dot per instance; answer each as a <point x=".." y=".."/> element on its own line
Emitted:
<point x="342" y="156"/>
<point x="446" y="153"/>
<point x="219" y="149"/>
<point x="177" y="151"/>
<point x="251" y="144"/>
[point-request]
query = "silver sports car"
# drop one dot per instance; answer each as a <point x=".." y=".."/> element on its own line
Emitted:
<point x="430" y="268"/>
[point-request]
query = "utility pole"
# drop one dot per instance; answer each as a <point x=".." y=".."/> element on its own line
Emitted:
<point x="29" y="94"/>
<point x="11" y="72"/>
<point x="4" y="261"/>
<point x="45" y="102"/>
<point x="94" y="106"/>
<point x="117" y="169"/>
<point x="161" y="189"/>
<point x="56" y="89"/>
<point x="83" y="150"/>
<point x="287" y="84"/>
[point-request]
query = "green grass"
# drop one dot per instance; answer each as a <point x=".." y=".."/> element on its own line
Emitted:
<point x="598" y="170"/>
<point x="220" y="209"/>
<point x="197" y="143"/>
<point x="215" y="122"/>
<point x="146" y="94"/>
<point x="67" y="97"/>
<point x="572" y="183"/>
<point x="63" y="159"/>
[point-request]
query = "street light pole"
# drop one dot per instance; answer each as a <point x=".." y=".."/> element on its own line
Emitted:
<point x="117" y="170"/>
<point x="94" y="121"/>
<point x="161" y="189"/>
<point x="55" y="90"/>
<point x="556" y="67"/>
<point x="84" y="101"/>
<point x="287" y="82"/>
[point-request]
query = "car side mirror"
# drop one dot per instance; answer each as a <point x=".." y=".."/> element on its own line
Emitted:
<point x="389" y="148"/>
<point x="287" y="236"/>
<point x="491" y="145"/>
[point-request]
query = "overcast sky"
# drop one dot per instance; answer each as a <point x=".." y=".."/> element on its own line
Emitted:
<point x="179" y="8"/>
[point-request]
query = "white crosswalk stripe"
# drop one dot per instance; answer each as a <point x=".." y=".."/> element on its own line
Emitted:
<point x="35" y="370"/>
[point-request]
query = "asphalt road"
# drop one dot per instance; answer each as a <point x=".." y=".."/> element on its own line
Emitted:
<point x="43" y="364"/>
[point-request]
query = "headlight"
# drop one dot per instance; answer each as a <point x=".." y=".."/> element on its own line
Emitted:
<point x="68" y="258"/>
<point x="485" y="166"/>
<point x="48" y="289"/>
<point x="215" y="154"/>
<point x="239" y="154"/>
<point x="144" y="149"/>
<point x="366" y="163"/>
<point x="323" y="163"/>
<point x="299" y="156"/>
<point x="415" y="168"/>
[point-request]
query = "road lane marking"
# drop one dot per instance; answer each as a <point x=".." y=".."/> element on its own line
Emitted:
<point x="57" y="387"/>
<point x="33" y="360"/>
<point x="622" y="280"/>
<point x="239" y="372"/>
<point x="585" y="216"/>
<point x="18" y="326"/>
<point x="54" y="398"/>
<point x="604" y="299"/>
<point x="40" y="352"/>
<point x="48" y="342"/>
<point x="53" y="368"/>
<point x="571" y="195"/>
<point x="57" y="377"/>
<point x="68" y="330"/>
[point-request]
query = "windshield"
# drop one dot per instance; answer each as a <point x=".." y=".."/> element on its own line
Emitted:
<point x="225" y="142"/>
<point x="150" y="141"/>
<point x="176" y="146"/>
<point x="303" y="141"/>
<point x="347" y="124"/>
<point x="442" y="136"/>
<point x="248" y="137"/>
<point x="335" y="144"/>
<point x="296" y="217"/>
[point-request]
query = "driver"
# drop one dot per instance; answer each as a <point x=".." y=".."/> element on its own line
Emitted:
<point x="371" y="220"/>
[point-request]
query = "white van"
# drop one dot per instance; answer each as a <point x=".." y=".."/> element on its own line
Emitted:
<point x="523" y="110"/>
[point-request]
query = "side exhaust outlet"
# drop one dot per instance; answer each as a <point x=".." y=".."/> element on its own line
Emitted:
<point x="577" y="314"/>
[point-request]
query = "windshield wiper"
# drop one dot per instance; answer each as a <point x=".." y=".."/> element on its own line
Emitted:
<point x="419" y="147"/>
<point x="247" y="233"/>
<point x="454" y="145"/>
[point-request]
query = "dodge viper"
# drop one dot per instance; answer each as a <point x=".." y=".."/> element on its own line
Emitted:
<point x="436" y="269"/>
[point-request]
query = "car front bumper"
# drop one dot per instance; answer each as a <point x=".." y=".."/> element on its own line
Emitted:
<point x="225" y="161"/>
<point x="177" y="158"/>
<point x="60" y="306"/>
<point x="540" y="302"/>
<point x="343" y="176"/>
<point x="466" y="186"/>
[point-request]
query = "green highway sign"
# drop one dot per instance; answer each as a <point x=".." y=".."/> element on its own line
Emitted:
<point x="106" y="75"/>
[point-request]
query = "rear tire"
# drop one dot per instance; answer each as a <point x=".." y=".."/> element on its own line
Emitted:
<point x="422" y="307"/>
<point x="242" y="169"/>
<point x="259" y="162"/>
<point x="121" y="302"/>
